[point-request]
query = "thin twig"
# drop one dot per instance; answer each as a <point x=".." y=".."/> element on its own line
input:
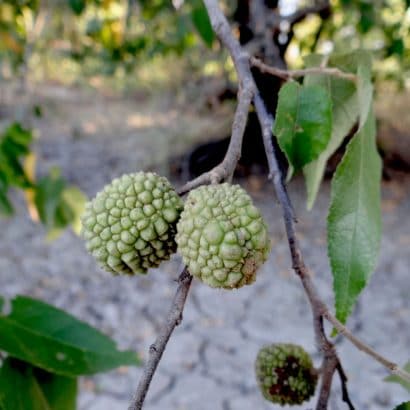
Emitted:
<point x="287" y="74"/>
<point x="342" y="329"/>
<point x="157" y="349"/>
<point x="343" y="380"/>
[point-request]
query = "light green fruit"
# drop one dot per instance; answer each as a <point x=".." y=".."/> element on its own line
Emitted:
<point x="285" y="374"/>
<point x="130" y="225"/>
<point x="221" y="236"/>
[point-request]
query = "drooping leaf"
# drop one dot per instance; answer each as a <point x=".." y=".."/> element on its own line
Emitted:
<point x="55" y="341"/>
<point x="24" y="387"/>
<point x="399" y="380"/>
<point x="201" y="21"/>
<point x="303" y="122"/>
<point x="354" y="220"/>
<point x="346" y="106"/>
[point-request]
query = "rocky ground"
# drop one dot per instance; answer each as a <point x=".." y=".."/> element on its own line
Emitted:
<point x="208" y="363"/>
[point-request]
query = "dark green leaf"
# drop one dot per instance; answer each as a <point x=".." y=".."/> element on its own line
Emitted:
<point x="37" y="111"/>
<point x="55" y="341"/>
<point x="78" y="6"/>
<point x="19" y="389"/>
<point x="354" y="221"/>
<point x="202" y="23"/>
<point x="6" y="208"/>
<point x="24" y="387"/>
<point x="345" y="103"/>
<point x="60" y="391"/>
<point x="367" y="16"/>
<point x="399" y="380"/>
<point x="403" y="406"/>
<point x="303" y="122"/>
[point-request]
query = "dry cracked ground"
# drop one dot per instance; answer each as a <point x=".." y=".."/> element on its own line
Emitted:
<point x="208" y="363"/>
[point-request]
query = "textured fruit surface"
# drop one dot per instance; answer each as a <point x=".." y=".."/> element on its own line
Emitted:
<point x="130" y="225"/>
<point x="221" y="236"/>
<point x="285" y="374"/>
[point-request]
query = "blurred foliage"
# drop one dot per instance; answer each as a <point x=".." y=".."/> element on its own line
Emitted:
<point x="124" y="33"/>
<point x="49" y="199"/>
<point x="380" y="26"/>
<point x="116" y="32"/>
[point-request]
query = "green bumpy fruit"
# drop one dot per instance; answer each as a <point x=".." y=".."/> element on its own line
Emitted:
<point x="130" y="225"/>
<point x="285" y="374"/>
<point x="222" y="237"/>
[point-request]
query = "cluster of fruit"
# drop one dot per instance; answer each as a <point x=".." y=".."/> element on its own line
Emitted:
<point x="138" y="221"/>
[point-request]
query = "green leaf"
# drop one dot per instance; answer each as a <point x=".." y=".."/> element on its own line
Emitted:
<point x="24" y="387"/>
<point x="303" y="122"/>
<point x="399" y="380"/>
<point x="75" y="200"/>
<point x="55" y="341"/>
<point x="354" y="221"/>
<point x="19" y="389"/>
<point x="52" y="210"/>
<point x="345" y="107"/>
<point x="14" y="144"/>
<point x="364" y="91"/>
<point x="6" y="208"/>
<point x="5" y="205"/>
<point x="58" y="205"/>
<point x="78" y="6"/>
<point x="60" y="391"/>
<point x="403" y="406"/>
<point x="201" y="21"/>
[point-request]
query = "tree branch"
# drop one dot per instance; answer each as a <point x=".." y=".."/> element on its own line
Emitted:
<point x="343" y="381"/>
<point x="287" y="74"/>
<point x="156" y="350"/>
<point x="342" y="329"/>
